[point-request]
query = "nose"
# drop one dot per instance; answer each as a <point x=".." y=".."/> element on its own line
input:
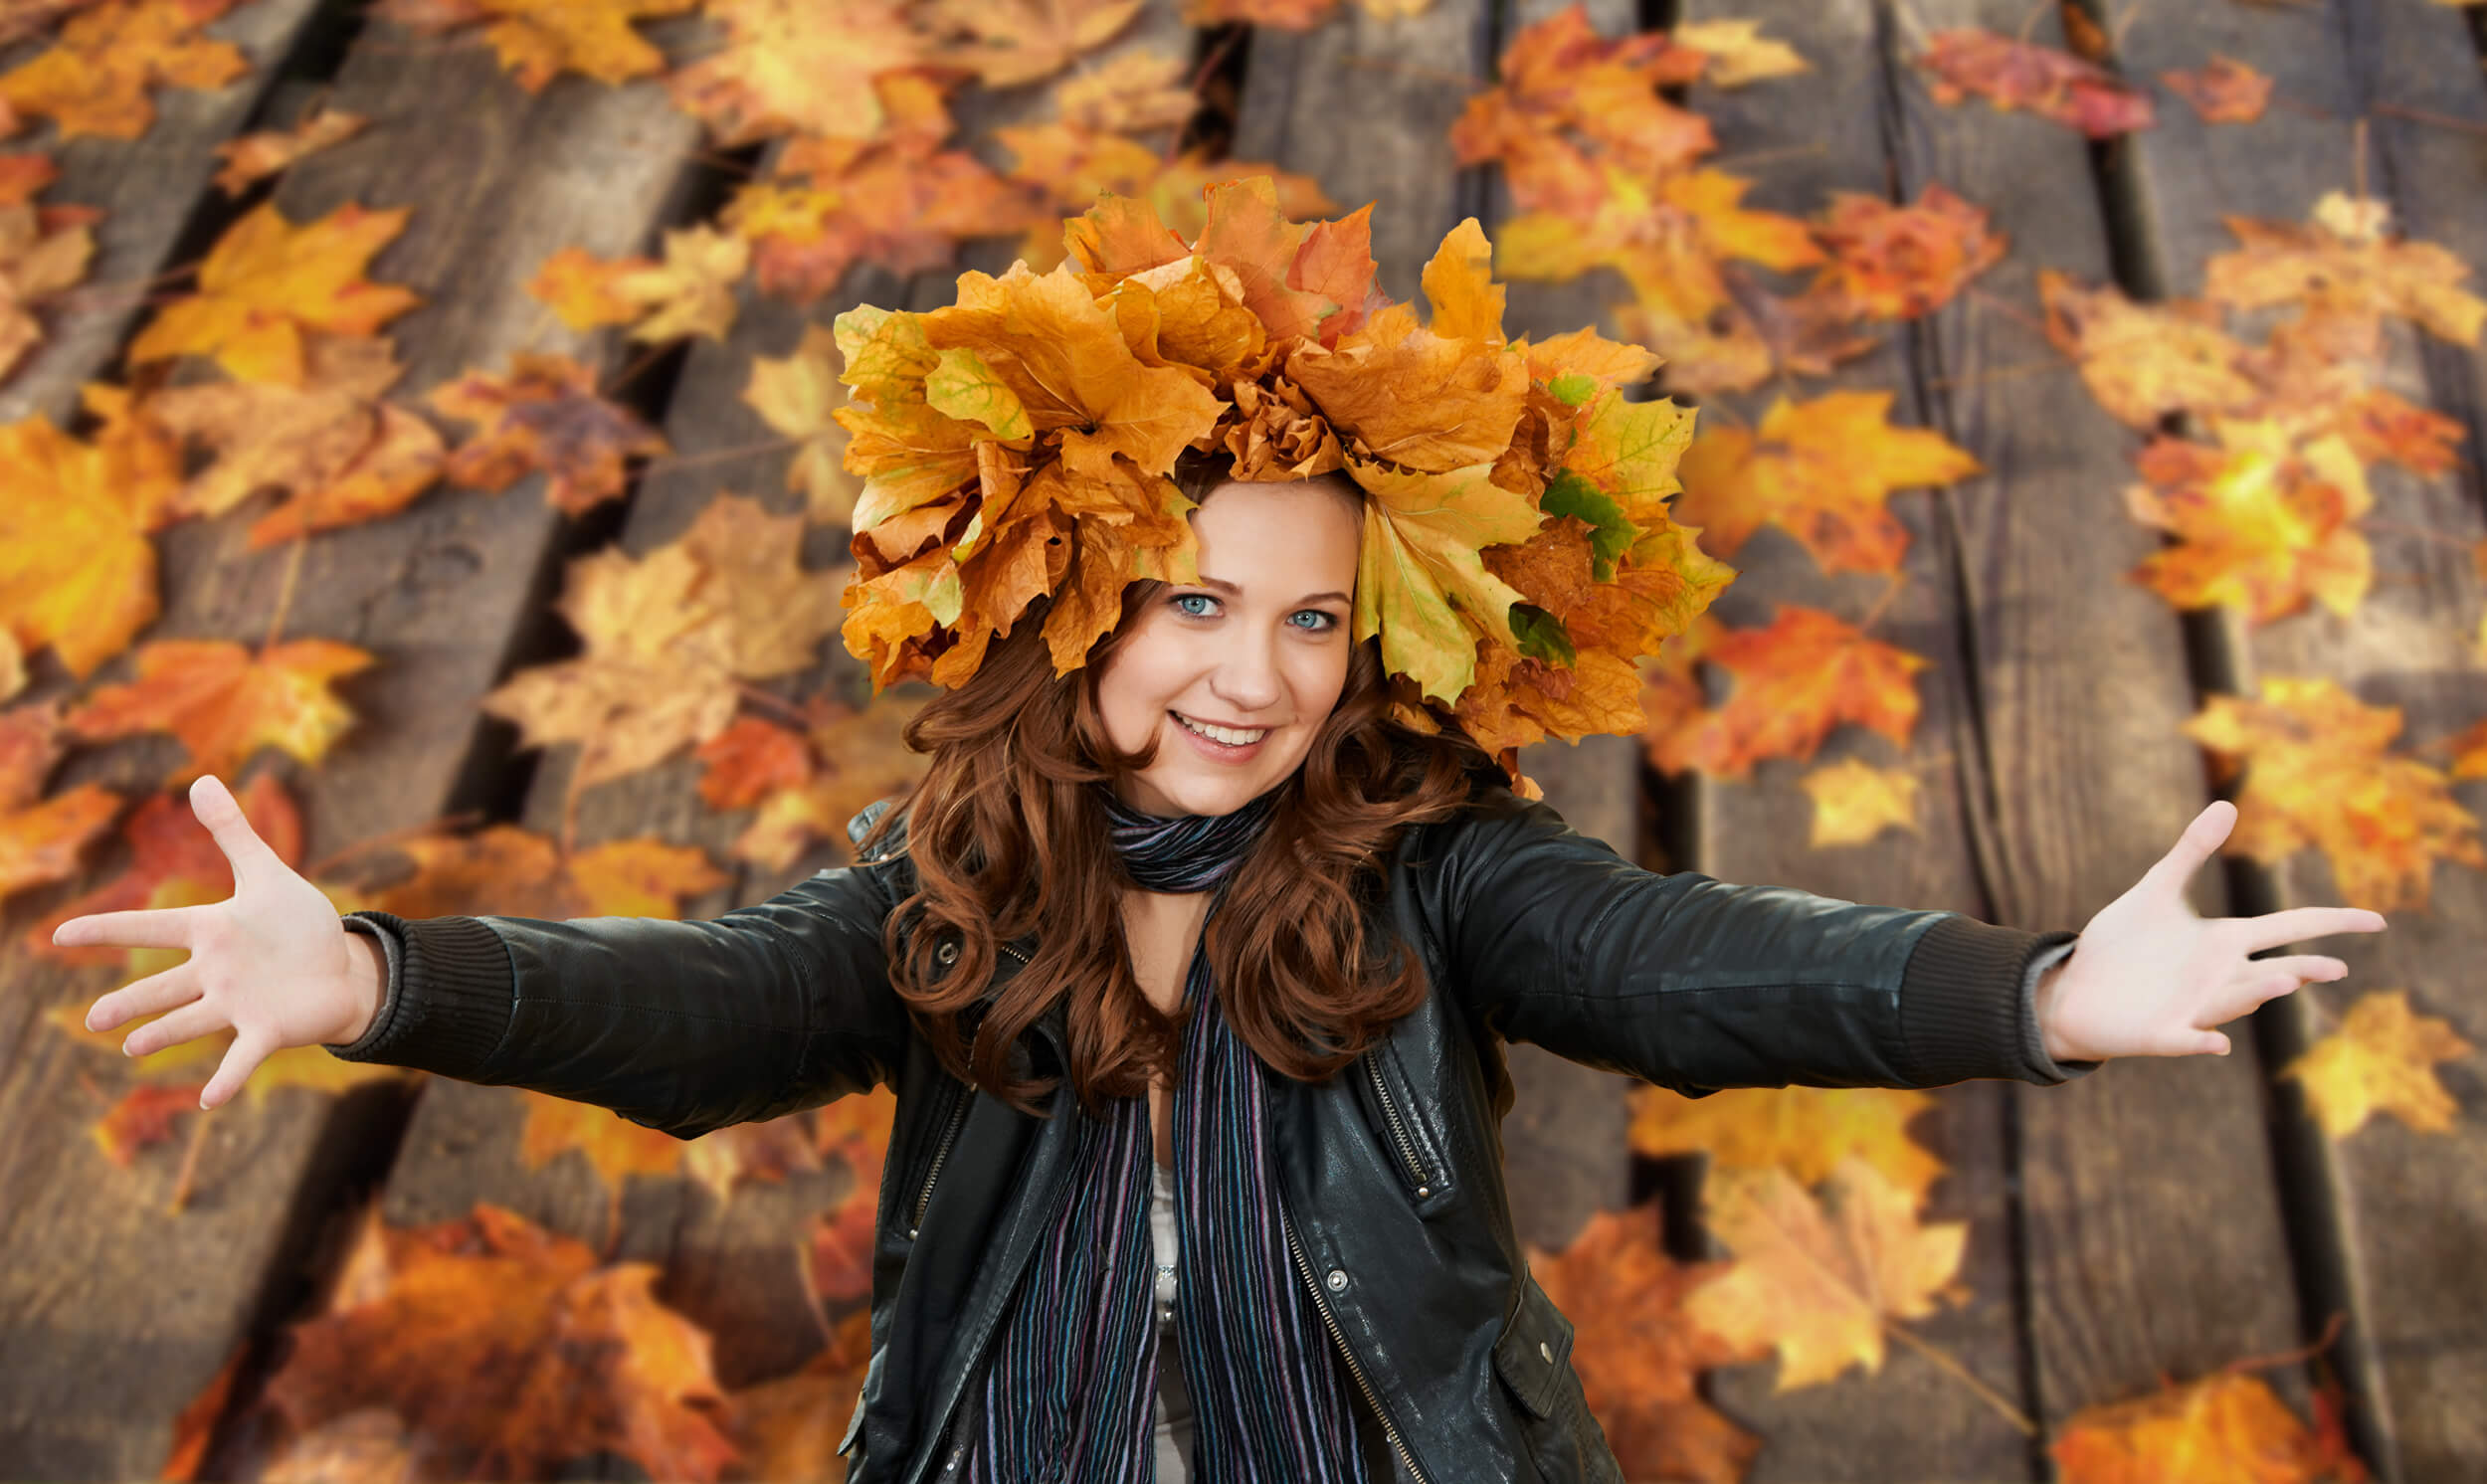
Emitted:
<point x="1246" y="678"/>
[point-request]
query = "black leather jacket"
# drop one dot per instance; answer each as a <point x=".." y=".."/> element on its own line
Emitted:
<point x="1392" y="1172"/>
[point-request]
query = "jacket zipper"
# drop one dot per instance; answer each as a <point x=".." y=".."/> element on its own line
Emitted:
<point x="1390" y="1430"/>
<point x="1417" y="1172"/>
<point x="941" y="1151"/>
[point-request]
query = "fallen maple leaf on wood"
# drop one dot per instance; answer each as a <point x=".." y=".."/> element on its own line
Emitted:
<point x="1804" y="674"/>
<point x="76" y="567"/>
<point x="2222" y="90"/>
<point x="1639" y="1355"/>
<point x="2379" y="1059"/>
<point x="255" y="157"/>
<point x="95" y="77"/>
<point x="2317" y="772"/>
<point x="799" y="395"/>
<point x="508" y="1353"/>
<point x="1854" y="801"/>
<point x="2263" y="523"/>
<point x="2225" y="1428"/>
<point x="2343" y="266"/>
<point x="1818" y="1281"/>
<point x="1903" y="261"/>
<point x="268" y="282"/>
<point x="43" y="249"/>
<point x="537" y="40"/>
<point x="1806" y="1131"/>
<point x="2018" y="75"/>
<point x="225" y="701"/>
<point x="545" y="417"/>
<point x="797" y="68"/>
<point x="689" y="292"/>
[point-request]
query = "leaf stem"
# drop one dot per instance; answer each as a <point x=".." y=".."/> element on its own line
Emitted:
<point x="1943" y="1361"/>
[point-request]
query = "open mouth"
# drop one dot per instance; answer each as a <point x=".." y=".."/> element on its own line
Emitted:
<point x="1228" y="740"/>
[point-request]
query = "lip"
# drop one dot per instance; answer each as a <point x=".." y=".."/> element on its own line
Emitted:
<point x="1219" y="751"/>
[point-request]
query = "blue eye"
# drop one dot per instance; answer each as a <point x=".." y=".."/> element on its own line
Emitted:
<point x="1182" y="597"/>
<point x="1328" y="620"/>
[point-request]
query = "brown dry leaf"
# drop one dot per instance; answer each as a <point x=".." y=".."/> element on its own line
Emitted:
<point x="507" y="1352"/>
<point x="225" y="701"/>
<point x="1819" y="1281"/>
<point x="536" y="39"/>
<point x="2381" y="1059"/>
<point x="1795" y="680"/>
<point x="799" y="395"/>
<point x="1806" y="1131"/>
<point x="2221" y="90"/>
<point x="1821" y="471"/>
<point x="1737" y="53"/>
<point x="2317" y="772"/>
<point x="43" y="249"/>
<point x="789" y="68"/>
<point x="2225" y="1428"/>
<point x="1853" y="802"/>
<point x="2343" y="266"/>
<point x="2014" y="74"/>
<point x="267" y="282"/>
<point x="95" y="77"/>
<point x="76" y="567"/>
<point x="544" y="416"/>
<point x="1902" y="261"/>
<point x="1639" y="1355"/>
<point x="2264" y="522"/>
<point x="255" y="156"/>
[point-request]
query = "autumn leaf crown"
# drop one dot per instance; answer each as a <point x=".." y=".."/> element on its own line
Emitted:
<point x="1517" y="552"/>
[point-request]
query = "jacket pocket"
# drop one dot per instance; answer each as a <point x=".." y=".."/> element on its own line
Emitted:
<point x="1409" y="1145"/>
<point x="1534" y="1359"/>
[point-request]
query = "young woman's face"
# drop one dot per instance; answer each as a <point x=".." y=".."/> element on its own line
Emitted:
<point x="1256" y="650"/>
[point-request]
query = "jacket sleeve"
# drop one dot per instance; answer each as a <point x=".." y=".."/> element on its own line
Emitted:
<point x="1698" y="985"/>
<point x="683" y="1026"/>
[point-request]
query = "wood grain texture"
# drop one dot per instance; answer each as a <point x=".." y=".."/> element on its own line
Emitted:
<point x="2398" y="1213"/>
<point x="2153" y="1233"/>
<point x="101" y="1279"/>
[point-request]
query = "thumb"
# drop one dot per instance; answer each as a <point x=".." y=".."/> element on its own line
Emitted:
<point x="221" y="813"/>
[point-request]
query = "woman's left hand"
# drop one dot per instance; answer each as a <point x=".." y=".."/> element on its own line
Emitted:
<point x="2149" y="978"/>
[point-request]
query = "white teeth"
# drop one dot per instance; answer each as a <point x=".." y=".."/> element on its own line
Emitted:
<point x="1228" y="735"/>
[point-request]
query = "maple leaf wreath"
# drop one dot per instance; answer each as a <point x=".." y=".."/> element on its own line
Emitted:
<point x="1517" y="553"/>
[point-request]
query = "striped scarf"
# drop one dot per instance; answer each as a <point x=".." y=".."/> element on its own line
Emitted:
<point x="1069" y="1394"/>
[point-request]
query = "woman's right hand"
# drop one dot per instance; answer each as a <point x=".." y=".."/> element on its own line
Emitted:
<point x="273" y="962"/>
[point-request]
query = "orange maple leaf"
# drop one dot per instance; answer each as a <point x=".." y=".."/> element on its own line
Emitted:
<point x="1638" y="1352"/>
<point x="797" y="68"/>
<point x="225" y="701"/>
<point x="267" y="281"/>
<point x="1818" y="1281"/>
<point x="538" y="40"/>
<point x="1903" y="261"/>
<point x="2222" y="90"/>
<point x="505" y="1351"/>
<point x="1569" y="102"/>
<point x="76" y="567"/>
<point x="2379" y="1059"/>
<point x="903" y="211"/>
<point x="2345" y="267"/>
<point x="2224" y="1429"/>
<point x="2264" y="522"/>
<point x="862" y="756"/>
<point x="2317" y="772"/>
<point x="95" y="77"/>
<point x="1806" y="1131"/>
<point x="1795" y="680"/>
<point x="41" y="839"/>
<point x="144" y="1116"/>
<point x="1821" y="471"/>
<point x="2054" y="85"/>
<point x="689" y="292"/>
<point x="255" y="157"/>
<point x="544" y="416"/>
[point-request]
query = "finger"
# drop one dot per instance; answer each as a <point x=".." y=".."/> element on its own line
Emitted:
<point x="221" y="813"/>
<point x="174" y="986"/>
<point x="2199" y="842"/>
<point x="2304" y="924"/>
<point x="189" y="1022"/>
<point x="2255" y="992"/>
<point x="241" y="1060"/>
<point x="139" y="927"/>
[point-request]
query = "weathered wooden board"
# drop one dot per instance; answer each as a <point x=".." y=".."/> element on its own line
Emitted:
<point x="2390" y="1218"/>
<point x="498" y="180"/>
<point x="2082" y="779"/>
<point x="730" y="1266"/>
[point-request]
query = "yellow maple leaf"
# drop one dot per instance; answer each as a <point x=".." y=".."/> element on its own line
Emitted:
<point x="1819" y="1281"/>
<point x="2343" y="265"/>
<point x="1821" y="471"/>
<point x="539" y="39"/>
<point x="267" y="280"/>
<point x="793" y="66"/>
<point x="1737" y="53"/>
<point x="799" y="396"/>
<point x="1420" y="581"/>
<point x="2317" y="772"/>
<point x="95" y="76"/>
<point x="1806" y="1131"/>
<point x="2379" y="1059"/>
<point x="1854" y="801"/>
<point x="76" y="567"/>
<point x="225" y="701"/>
<point x="2263" y="522"/>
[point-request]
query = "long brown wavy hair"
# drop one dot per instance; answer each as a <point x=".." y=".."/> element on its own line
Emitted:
<point x="1006" y="832"/>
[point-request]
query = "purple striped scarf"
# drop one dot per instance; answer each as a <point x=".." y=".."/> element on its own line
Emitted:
<point x="1069" y="1391"/>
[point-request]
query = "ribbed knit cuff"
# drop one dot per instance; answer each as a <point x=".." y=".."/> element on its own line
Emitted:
<point x="1966" y="1007"/>
<point x="450" y="997"/>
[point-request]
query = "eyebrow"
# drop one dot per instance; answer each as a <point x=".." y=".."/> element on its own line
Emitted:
<point x="1223" y="586"/>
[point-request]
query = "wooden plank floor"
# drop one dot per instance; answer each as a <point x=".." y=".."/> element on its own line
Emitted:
<point x="2154" y="1218"/>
